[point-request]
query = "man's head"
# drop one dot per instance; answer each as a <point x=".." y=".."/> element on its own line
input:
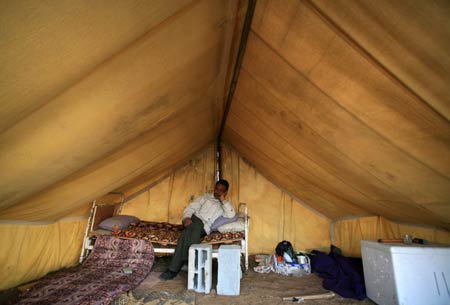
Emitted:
<point x="221" y="188"/>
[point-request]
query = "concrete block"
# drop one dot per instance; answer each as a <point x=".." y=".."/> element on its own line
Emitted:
<point x="229" y="270"/>
<point x="200" y="268"/>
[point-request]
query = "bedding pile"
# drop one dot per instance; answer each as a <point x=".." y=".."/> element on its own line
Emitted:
<point x="168" y="234"/>
<point x="115" y="266"/>
<point x="343" y="275"/>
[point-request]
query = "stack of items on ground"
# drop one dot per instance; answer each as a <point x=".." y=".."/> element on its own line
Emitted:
<point x="343" y="275"/>
<point x="285" y="261"/>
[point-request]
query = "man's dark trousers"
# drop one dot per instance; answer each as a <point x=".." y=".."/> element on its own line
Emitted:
<point x="191" y="234"/>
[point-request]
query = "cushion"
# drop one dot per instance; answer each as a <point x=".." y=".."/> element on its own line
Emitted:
<point x="118" y="222"/>
<point x="222" y="221"/>
<point x="236" y="226"/>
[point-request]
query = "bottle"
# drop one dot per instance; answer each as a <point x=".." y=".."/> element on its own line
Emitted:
<point x="301" y="259"/>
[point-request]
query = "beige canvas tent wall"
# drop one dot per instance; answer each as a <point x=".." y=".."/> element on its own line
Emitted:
<point x="338" y="128"/>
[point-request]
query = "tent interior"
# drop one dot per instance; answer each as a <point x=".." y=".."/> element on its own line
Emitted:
<point x="333" y="127"/>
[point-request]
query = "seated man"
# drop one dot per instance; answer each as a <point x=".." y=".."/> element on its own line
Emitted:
<point x="197" y="220"/>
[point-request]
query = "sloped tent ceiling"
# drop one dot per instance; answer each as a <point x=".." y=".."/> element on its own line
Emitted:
<point x="346" y="105"/>
<point x="97" y="94"/>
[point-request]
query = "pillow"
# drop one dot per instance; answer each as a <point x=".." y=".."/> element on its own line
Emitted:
<point x="118" y="222"/>
<point x="236" y="226"/>
<point x="222" y="221"/>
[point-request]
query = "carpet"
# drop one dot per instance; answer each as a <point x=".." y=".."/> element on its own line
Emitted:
<point x="151" y="297"/>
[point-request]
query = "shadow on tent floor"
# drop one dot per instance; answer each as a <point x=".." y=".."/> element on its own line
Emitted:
<point x="255" y="288"/>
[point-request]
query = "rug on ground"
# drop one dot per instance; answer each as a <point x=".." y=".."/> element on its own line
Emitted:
<point x="101" y="279"/>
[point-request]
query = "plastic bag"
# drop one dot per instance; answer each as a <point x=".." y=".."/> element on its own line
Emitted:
<point x="285" y="247"/>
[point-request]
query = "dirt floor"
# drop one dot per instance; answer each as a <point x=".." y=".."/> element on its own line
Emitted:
<point x="255" y="289"/>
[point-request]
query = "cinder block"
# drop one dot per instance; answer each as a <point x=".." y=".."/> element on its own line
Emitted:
<point x="200" y="268"/>
<point x="229" y="270"/>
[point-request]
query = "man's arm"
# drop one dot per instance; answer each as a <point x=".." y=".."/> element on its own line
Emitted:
<point x="190" y="210"/>
<point x="228" y="210"/>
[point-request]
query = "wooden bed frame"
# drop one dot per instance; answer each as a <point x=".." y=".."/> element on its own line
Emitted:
<point x="99" y="212"/>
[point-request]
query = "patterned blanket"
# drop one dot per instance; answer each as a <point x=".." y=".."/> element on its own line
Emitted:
<point x="165" y="233"/>
<point x="100" y="279"/>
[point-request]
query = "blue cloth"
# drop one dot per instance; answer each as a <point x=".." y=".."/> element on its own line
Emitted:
<point x="341" y="274"/>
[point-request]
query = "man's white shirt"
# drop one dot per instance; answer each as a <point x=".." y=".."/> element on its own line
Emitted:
<point x="208" y="209"/>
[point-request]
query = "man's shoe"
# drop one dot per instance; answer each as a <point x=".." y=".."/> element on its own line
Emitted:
<point x="168" y="275"/>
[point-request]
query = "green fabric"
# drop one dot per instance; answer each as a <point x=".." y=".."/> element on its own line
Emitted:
<point x="190" y="235"/>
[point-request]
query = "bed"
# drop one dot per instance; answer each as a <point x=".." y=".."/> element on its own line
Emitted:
<point x="162" y="235"/>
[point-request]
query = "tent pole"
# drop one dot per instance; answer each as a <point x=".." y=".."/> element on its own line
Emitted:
<point x="237" y="67"/>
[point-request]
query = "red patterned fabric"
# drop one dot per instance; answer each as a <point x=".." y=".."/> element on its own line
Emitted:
<point x="167" y="234"/>
<point x="100" y="279"/>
